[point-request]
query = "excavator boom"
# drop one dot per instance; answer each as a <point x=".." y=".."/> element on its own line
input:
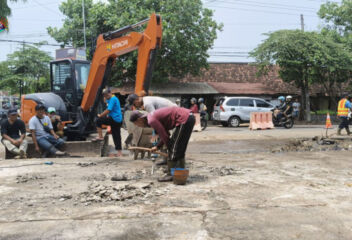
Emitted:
<point x="114" y="44"/>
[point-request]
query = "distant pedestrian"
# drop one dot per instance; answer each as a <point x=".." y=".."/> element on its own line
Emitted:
<point x="342" y="112"/>
<point x="296" y="108"/>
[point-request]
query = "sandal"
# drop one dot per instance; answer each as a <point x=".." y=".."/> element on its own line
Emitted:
<point x="97" y="139"/>
<point x="166" y="178"/>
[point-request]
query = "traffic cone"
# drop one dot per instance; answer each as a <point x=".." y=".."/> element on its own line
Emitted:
<point x="328" y="121"/>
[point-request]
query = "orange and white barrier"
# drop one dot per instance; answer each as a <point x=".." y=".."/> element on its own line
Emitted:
<point x="197" y="127"/>
<point x="261" y="120"/>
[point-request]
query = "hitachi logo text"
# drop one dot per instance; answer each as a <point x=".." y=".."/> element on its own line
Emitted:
<point x="120" y="44"/>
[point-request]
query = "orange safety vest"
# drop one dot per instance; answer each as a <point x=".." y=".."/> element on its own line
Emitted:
<point x="342" y="111"/>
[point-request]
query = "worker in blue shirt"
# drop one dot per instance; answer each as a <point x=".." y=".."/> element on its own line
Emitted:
<point x="112" y="116"/>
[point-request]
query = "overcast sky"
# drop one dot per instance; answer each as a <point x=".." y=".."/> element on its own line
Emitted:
<point x="244" y="23"/>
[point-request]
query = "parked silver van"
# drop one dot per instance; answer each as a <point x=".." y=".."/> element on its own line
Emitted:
<point x="232" y="111"/>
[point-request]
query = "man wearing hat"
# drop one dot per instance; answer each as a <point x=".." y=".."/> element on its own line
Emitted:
<point x="43" y="134"/>
<point x="13" y="132"/>
<point x="111" y="116"/>
<point x="163" y="120"/>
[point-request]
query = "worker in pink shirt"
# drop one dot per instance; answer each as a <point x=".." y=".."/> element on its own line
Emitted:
<point x="162" y="121"/>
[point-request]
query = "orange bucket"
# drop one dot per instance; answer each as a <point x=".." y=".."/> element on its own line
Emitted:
<point x="180" y="176"/>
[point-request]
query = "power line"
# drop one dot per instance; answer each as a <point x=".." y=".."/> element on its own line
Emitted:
<point x="25" y="42"/>
<point x="265" y="5"/>
<point x="261" y="11"/>
<point x="45" y="7"/>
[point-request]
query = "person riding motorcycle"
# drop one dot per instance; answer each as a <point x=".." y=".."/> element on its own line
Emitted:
<point x="279" y="109"/>
<point x="202" y="106"/>
<point x="194" y="106"/>
<point x="286" y="109"/>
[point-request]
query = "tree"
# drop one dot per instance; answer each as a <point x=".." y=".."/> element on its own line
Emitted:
<point x="5" y="10"/>
<point x="188" y="32"/>
<point x="337" y="16"/>
<point x="304" y="58"/>
<point x="27" y="70"/>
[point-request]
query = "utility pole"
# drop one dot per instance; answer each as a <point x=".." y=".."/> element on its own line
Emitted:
<point x="21" y="80"/>
<point x="84" y="25"/>
<point x="306" y="98"/>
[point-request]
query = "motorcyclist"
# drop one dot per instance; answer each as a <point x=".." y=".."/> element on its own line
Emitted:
<point x="288" y="108"/>
<point x="202" y="106"/>
<point x="278" y="112"/>
<point x="194" y="107"/>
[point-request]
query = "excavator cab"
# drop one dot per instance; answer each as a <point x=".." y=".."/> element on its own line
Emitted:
<point x="68" y="80"/>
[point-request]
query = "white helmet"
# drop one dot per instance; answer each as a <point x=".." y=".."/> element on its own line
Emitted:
<point x="289" y="97"/>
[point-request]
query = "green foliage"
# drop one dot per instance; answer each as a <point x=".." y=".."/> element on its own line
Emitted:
<point x="188" y="32"/>
<point x="337" y="16"/>
<point x="5" y="10"/>
<point x="29" y="66"/>
<point x="305" y="58"/>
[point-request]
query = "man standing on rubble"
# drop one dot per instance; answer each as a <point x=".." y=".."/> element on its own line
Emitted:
<point x="163" y="120"/>
<point x="342" y="112"/>
<point x="112" y="116"/>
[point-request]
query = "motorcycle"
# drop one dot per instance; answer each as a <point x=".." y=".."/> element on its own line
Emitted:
<point x="203" y="120"/>
<point x="286" y="122"/>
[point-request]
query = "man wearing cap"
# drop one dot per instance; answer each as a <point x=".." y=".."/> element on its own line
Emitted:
<point x="163" y="120"/>
<point x="43" y="134"/>
<point x="111" y="116"/>
<point x="11" y="129"/>
<point x="56" y="122"/>
<point x="342" y="112"/>
<point x="149" y="103"/>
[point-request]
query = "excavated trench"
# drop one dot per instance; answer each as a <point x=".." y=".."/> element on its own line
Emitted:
<point x="272" y="145"/>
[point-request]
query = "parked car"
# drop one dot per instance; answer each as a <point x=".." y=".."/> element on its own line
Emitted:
<point x="232" y="111"/>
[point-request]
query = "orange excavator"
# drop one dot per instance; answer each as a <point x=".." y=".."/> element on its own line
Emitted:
<point x="76" y="85"/>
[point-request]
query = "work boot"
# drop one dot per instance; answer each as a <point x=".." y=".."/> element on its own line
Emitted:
<point x="348" y="131"/>
<point x="339" y="131"/>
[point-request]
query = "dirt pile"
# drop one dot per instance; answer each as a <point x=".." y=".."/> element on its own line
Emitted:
<point x="225" y="171"/>
<point x="316" y="144"/>
<point x="107" y="193"/>
<point x="28" y="177"/>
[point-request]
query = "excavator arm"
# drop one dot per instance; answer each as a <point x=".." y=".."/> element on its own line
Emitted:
<point x="114" y="44"/>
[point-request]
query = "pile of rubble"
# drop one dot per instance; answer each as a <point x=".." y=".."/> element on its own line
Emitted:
<point x="315" y="144"/>
<point x="28" y="177"/>
<point x="100" y="193"/>
<point x="225" y="171"/>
